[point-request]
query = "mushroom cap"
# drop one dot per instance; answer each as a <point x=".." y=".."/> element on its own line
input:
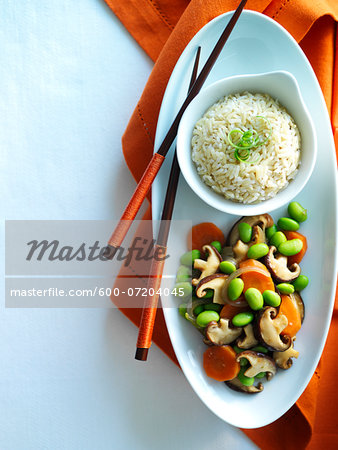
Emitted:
<point x="284" y="359"/>
<point x="249" y="339"/>
<point x="278" y="267"/>
<point x="236" y="385"/>
<point x="240" y="251"/>
<point x="222" y="333"/>
<point x="263" y="221"/>
<point x="228" y="255"/>
<point x="216" y="282"/>
<point x="258" y="363"/>
<point x="258" y="235"/>
<point x="208" y="267"/>
<point x="268" y="327"/>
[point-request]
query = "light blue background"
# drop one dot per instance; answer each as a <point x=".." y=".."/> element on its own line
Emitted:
<point x="70" y="76"/>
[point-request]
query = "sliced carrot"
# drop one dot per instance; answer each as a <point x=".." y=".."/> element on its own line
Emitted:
<point x="289" y="310"/>
<point x="256" y="279"/>
<point x="203" y="234"/>
<point x="253" y="263"/>
<point x="299" y="256"/>
<point x="229" y="311"/>
<point x="220" y="363"/>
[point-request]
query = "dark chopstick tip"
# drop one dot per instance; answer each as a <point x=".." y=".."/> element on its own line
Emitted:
<point x="141" y="354"/>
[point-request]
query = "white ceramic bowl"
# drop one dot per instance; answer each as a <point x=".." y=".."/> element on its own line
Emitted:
<point x="279" y="85"/>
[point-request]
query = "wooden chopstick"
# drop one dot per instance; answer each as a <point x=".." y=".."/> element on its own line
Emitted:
<point x="156" y="161"/>
<point x="156" y="271"/>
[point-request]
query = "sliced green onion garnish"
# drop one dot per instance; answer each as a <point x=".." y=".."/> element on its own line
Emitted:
<point x="249" y="139"/>
<point x="236" y="130"/>
<point x="243" y="153"/>
<point x="244" y="159"/>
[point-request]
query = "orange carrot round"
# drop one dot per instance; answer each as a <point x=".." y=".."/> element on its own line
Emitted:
<point x="220" y="363"/>
<point x="289" y="310"/>
<point x="253" y="263"/>
<point x="229" y="311"/>
<point x="256" y="279"/>
<point x="203" y="234"/>
<point x="299" y="256"/>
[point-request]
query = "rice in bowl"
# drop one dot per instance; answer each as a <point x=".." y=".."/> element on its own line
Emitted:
<point x="271" y="166"/>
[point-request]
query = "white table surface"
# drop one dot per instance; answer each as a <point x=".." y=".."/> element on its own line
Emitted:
<point x="70" y="76"/>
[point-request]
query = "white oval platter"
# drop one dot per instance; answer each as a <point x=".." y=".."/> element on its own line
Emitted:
<point x="257" y="44"/>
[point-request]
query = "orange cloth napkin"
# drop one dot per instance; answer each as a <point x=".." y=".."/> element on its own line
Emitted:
<point x="163" y="28"/>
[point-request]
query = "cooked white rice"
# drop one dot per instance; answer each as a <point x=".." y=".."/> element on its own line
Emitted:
<point x="275" y="162"/>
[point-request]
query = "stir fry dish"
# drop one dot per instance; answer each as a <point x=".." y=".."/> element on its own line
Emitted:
<point x="243" y="294"/>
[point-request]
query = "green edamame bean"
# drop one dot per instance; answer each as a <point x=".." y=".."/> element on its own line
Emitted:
<point x="235" y="288"/>
<point x="237" y="349"/>
<point x="205" y="317"/>
<point x="291" y="247"/>
<point x="213" y="307"/>
<point x="285" y="288"/>
<point x="271" y="231"/>
<point x="247" y="381"/>
<point x="254" y="298"/>
<point x="278" y="238"/>
<point x="188" y="258"/>
<point x="301" y="282"/>
<point x="259" y="349"/>
<point x="245" y="232"/>
<point x="285" y="223"/>
<point x="243" y="362"/>
<point x="182" y="289"/>
<point x="182" y="309"/>
<point x="209" y="293"/>
<point x="227" y="267"/>
<point x="297" y="212"/>
<point x="257" y="251"/>
<point x="271" y="298"/>
<point x="242" y="319"/>
<point x="183" y="274"/>
<point x="198" y="310"/>
<point x="217" y="246"/>
<point x="260" y="375"/>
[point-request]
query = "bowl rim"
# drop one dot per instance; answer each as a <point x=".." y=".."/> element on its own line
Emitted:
<point x="188" y="167"/>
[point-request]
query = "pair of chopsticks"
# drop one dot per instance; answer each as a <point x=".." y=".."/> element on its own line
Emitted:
<point x="156" y="271"/>
<point x="116" y="239"/>
<point x="157" y="160"/>
<point x="154" y="281"/>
